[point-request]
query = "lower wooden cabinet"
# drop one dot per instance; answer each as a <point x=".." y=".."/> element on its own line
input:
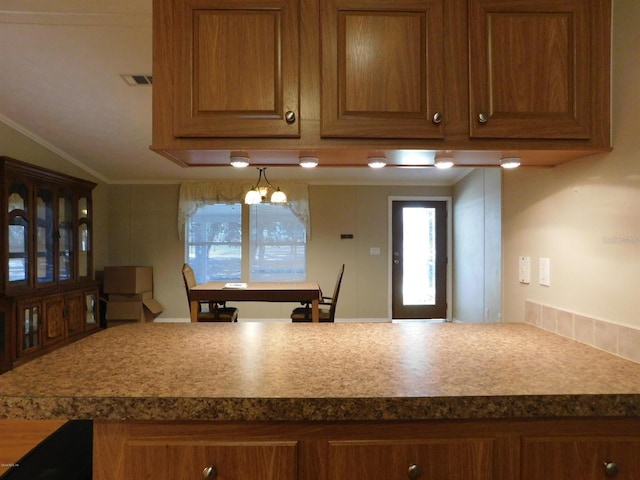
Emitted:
<point x="584" y="458"/>
<point x="209" y="459"/>
<point x="34" y="324"/>
<point x="552" y="449"/>
<point x="462" y="459"/>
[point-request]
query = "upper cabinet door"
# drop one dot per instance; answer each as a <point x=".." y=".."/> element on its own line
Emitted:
<point x="236" y="68"/>
<point x="382" y="68"/>
<point x="530" y="69"/>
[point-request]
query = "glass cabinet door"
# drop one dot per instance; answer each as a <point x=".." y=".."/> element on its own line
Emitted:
<point x="65" y="237"/>
<point x="44" y="236"/>
<point x="84" y="238"/>
<point x="18" y="234"/>
<point x="29" y="327"/>
<point x="91" y="309"/>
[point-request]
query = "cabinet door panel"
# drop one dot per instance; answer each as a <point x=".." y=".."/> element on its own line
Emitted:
<point x="54" y="320"/>
<point x="530" y="69"/>
<point x="236" y="68"/>
<point x="178" y="461"/>
<point x="75" y="310"/>
<point x="382" y="69"/>
<point x="374" y="460"/>
<point x="581" y="458"/>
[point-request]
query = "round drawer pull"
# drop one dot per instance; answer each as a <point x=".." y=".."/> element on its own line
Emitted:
<point x="414" y="471"/>
<point x="209" y="472"/>
<point x="290" y="116"/>
<point x="483" y="117"/>
<point x="437" y="118"/>
<point x="611" y="469"/>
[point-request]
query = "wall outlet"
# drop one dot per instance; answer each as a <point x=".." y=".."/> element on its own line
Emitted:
<point x="545" y="272"/>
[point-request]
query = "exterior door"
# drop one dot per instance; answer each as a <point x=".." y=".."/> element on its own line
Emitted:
<point x="419" y="259"/>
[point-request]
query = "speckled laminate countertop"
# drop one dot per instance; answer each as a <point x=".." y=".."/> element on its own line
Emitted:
<point x="358" y="371"/>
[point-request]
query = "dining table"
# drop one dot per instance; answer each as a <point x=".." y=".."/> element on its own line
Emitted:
<point x="303" y="292"/>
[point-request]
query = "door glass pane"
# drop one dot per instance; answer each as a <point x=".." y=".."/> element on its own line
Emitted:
<point x="277" y="244"/>
<point x="16" y="202"/>
<point x="83" y="238"/>
<point x="214" y="242"/>
<point x="418" y="245"/>
<point x="44" y="236"/>
<point x="18" y="241"/>
<point x="65" y="238"/>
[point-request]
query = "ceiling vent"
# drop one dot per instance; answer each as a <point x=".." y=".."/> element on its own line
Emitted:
<point x="136" y="80"/>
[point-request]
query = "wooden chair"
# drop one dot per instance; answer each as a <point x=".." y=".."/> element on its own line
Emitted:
<point x="303" y="314"/>
<point x="207" y="311"/>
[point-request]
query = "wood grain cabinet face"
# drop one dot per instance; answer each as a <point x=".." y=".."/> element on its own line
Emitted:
<point x="462" y="459"/>
<point x="230" y="461"/>
<point x="581" y="458"/>
<point x="236" y="68"/>
<point x="382" y="69"/>
<point x="531" y="71"/>
<point x="54" y="311"/>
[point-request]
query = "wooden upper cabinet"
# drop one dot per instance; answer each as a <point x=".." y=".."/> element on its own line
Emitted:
<point x="382" y="68"/>
<point x="236" y="68"/>
<point x="533" y="69"/>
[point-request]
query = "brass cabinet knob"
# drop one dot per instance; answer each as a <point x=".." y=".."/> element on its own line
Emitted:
<point x="209" y="472"/>
<point x="414" y="471"/>
<point x="611" y="469"/>
<point x="483" y="117"/>
<point x="290" y="116"/>
<point x="437" y="118"/>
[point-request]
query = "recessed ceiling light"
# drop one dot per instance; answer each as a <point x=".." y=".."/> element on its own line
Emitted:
<point x="510" y="162"/>
<point x="377" y="161"/>
<point x="308" y="161"/>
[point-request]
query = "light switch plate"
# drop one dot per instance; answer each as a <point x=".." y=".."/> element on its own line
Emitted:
<point x="545" y="272"/>
<point x="524" y="270"/>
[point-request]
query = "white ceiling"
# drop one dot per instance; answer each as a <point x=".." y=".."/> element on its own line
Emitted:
<point x="61" y="63"/>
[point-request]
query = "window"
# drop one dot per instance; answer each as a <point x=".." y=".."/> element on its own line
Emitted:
<point x="269" y="246"/>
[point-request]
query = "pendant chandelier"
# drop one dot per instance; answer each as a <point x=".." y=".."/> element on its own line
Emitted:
<point x="258" y="193"/>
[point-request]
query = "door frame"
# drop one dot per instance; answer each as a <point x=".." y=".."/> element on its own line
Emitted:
<point x="449" y="281"/>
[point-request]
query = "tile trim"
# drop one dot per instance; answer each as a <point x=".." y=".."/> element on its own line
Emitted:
<point x="620" y="340"/>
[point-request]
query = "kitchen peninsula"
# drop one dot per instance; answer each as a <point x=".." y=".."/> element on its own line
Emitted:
<point x="487" y="400"/>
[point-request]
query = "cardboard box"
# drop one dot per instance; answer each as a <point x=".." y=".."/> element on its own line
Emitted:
<point x="132" y="297"/>
<point x="128" y="279"/>
<point x="144" y="311"/>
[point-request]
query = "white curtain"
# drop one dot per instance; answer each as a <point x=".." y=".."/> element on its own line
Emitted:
<point x="197" y="194"/>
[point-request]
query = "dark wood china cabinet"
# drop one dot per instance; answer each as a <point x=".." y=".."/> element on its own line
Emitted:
<point x="48" y="296"/>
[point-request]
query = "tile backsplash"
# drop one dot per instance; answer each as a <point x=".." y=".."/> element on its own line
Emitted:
<point x="617" y="339"/>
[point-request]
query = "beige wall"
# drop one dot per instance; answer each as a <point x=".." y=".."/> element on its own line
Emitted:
<point x="585" y="215"/>
<point x="143" y="231"/>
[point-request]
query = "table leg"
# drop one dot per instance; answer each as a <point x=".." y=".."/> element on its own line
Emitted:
<point x="315" y="310"/>
<point x="194" y="311"/>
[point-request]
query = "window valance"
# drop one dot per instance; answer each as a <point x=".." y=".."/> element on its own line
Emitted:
<point x="197" y="194"/>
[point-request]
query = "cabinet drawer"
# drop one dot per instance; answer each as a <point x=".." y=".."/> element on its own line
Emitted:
<point x="584" y="458"/>
<point x="462" y="459"/>
<point x="264" y="460"/>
